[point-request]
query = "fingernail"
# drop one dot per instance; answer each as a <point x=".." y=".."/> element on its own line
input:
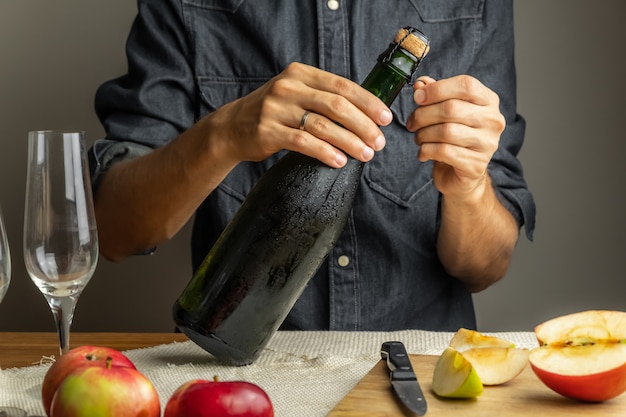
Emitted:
<point x="386" y="117"/>
<point x="419" y="96"/>
<point x="379" y="143"/>
<point x="340" y="159"/>
<point x="409" y="125"/>
<point x="368" y="153"/>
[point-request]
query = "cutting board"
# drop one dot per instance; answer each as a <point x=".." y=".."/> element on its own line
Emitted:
<point x="523" y="396"/>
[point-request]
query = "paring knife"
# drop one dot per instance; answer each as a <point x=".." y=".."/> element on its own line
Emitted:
<point x="403" y="379"/>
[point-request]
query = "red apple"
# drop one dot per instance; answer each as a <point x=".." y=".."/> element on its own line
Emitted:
<point x="105" y="391"/>
<point x="583" y="355"/>
<point x="75" y="358"/>
<point x="202" y="398"/>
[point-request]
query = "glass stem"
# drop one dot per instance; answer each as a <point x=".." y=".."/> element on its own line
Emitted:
<point x="63" y="311"/>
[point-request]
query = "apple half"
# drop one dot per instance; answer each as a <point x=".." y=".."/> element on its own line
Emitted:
<point x="455" y="377"/>
<point x="582" y="355"/>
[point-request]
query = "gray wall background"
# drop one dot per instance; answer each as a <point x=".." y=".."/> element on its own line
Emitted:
<point x="572" y="85"/>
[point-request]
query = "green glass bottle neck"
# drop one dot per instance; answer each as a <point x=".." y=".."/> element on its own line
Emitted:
<point x="394" y="69"/>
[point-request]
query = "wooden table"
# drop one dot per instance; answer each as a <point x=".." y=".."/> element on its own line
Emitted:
<point x="20" y="349"/>
<point x="292" y="366"/>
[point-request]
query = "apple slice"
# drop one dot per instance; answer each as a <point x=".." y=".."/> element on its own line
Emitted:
<point x="465" y="339"/>
<point x="495" y="359"/>
<point x="455" y="377"/>
<point x="583" y="355"/>
<point x="497" y="365"/>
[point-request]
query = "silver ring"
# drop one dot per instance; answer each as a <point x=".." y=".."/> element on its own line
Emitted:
<point x="303" y="120"/>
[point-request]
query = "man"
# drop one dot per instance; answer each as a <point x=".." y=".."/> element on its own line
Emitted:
<point x="216" y="91"/>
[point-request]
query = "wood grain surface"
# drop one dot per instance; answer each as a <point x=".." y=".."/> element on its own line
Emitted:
<point x="524" y="396"/>
<point x="19" y="349"/>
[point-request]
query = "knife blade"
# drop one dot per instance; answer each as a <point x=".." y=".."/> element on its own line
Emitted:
<point x="403" y="379"/>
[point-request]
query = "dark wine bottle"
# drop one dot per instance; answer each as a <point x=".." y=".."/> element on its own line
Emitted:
<point x="276" y="242"/>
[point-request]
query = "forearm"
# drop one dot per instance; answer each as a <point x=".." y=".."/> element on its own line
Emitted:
<point x="477" y="237"/>
<point x="143" y="202"/>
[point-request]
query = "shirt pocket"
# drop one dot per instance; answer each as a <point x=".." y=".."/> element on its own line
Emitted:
<point x="217" y="91"/>
<point x="395" y="172"/>
<point x="449" y="10"/>
<point x="229" y="6"/>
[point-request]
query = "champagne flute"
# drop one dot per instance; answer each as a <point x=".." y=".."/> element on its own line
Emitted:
<point x="5" y="279"/>
<point x="60" y="236"/>
<point x="5" y="260"/>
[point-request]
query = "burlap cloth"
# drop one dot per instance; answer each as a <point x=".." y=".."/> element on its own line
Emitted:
<point x="304" y="373"/>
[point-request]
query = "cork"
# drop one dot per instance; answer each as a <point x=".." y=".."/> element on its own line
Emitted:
<point x="416" y="43"/>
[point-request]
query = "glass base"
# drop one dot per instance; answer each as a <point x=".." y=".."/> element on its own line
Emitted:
<point x="12" y="412"/>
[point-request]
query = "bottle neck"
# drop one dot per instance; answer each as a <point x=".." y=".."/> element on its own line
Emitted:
<point x="394" y="69"/>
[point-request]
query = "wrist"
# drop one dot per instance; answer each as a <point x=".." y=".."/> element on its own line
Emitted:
<point x="214" y="145"/>
<point x="477" y="194"/>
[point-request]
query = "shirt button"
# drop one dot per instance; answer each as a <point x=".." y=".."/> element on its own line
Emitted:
<point x="343" y="261"/>
<point x="333" y="4"/>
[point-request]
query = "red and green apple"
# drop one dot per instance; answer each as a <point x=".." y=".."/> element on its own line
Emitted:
<point x="105" y="391"/>
<point x="76" y="358"/>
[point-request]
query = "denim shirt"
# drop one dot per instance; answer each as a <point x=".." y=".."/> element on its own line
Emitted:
<point x="189" y="57"/>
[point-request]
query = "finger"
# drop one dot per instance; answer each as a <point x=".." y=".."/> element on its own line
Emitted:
<point x="336" y="109"/>
<point x="450" y="111"/>
<point x="301" y="141"/>
<point x="328" y="131"/>
<point x="462" y="87"/>
<point x="454" y="134"/>
<point x="466" y="163"/>
<point x="422" y="81"/>
<point x="456" y="145"/>
<point x="328" y="154"/>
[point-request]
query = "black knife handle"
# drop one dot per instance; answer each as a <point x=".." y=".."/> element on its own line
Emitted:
<point x="398" y="360"/>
